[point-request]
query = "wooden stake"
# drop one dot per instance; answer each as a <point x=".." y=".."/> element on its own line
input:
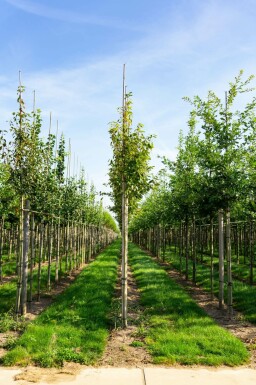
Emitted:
<point x="124" y="224"/>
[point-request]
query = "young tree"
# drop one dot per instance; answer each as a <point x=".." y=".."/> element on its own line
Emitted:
<point x="128" y="175"/>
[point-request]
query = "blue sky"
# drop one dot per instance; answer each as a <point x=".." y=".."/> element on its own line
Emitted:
<point x="72" y="52"/>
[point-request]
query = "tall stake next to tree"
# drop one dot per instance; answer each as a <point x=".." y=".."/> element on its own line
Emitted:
<point x="128" y="176"/>
<point x="124" y="216"/>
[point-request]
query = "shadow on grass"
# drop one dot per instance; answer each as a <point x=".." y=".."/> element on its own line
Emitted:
<point x="178" y="331"/>
<point x="243" y="294"/>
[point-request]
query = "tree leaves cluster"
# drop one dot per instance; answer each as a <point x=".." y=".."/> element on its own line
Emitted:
<point x="215" y="167"/>
<point x="130" y="161"/>
<point x="36" y="168"/>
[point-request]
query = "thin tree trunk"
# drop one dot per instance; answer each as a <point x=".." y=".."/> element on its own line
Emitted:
<point x="229" y="265"/>
<point x="1" y="247"/>
<point x="49" y="255"/>
<point x="221" y="260"/>
<point x="181" y="246"/>
<point x="67" y="246"/>
<point x="40" y="256"/>
<point x="24" y="289"/>
<point x="211" y="255"/>
<point x="75" y="247"/>
<point x="237" y="243"/>
<point x="10" y="243"/>
<point x="194" y="249"/>
<point x="19" y="259"/>
<point x="32" y="257"/>
<point x="251" y="252"/>
<point x="245" y="244"/>
<point x="57" y="252"/>
<point x="158" y="242"/>
<point x="164" y="243"/>
<point x="124" y="254"/>
<point x="186" y="248"/>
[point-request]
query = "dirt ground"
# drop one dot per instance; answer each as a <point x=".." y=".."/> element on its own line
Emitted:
<point x="119" y="351"/>
<point x="125" y="347"/>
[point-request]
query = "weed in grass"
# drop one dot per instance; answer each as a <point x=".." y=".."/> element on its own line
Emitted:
<point x="123" y="348"/>
<point x="8" y="322"/>
<point x="137" y="344"/>
<point x="10" y="342"/>
<point x="141" y="332"/>
<point x="115" y="318"/>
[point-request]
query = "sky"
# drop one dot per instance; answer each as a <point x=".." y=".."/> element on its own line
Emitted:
<point x="71" y="52"/>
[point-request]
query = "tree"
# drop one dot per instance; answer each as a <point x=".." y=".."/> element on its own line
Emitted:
<point x="223" y="149"/>
<point x="129" y="176"/>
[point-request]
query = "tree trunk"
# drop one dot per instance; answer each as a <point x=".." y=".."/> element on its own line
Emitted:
<point x="221" y="260"/>
<point x="163" y="243"/>
<point x="186" y="248"/>
<point x="124" y="254"/>
<point x="194" y="249"/>
<point x="211" y="255"/>
<point x="1" y="247"/>
<point x="229" y="265"/>
<point x="57" y="252"/>
<point x="158" y="242"/>
<point x="32" y="257"/>
<point x="67" y="247"/>
<point x="49" y="255"/>
<point x="24" y="274"/>
<point x="251" y="252"/>
<point x="40" y="257"/>
<point x="19" y="258"/>
<point x="181" y="246"/>
<point x="11" y="243"/>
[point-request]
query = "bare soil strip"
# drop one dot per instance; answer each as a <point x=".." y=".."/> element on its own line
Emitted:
<point x="7" y="279"/>
<point x="119" y="352"/>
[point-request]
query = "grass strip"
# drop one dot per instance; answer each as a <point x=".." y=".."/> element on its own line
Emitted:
<point x="7" y="296"/>
<point x="9" y="268"/>
<point x="178" y="330"/>
<point x="75" y="327"/>
<point x="243" y="294"/>
<point x="241" y="270"/>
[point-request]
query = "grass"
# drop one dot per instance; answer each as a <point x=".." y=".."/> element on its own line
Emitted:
<point x="178" y="331"/>
<point x="8" y="322"/>
<point x="75" y="327"/>
<point x="9" y="268"/>
<point x="9" y="264"/>
<point x="243" y="294"/>
<point x="241" y="270"/>
<point x="8" y="290"/>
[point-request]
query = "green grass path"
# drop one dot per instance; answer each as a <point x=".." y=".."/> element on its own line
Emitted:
<point x="178" y="331"/>
<point x="75" y="327"/>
